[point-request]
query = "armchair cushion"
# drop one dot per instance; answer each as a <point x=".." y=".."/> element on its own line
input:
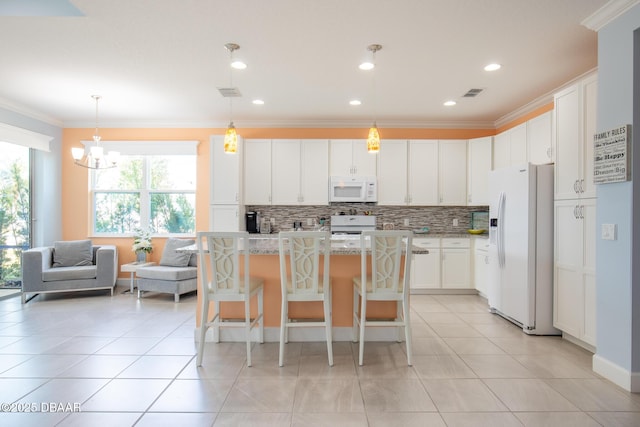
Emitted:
<point x="160" y="272"/>
<point x="69" y="273"/>
<point x="172" y="258"/>
<point x="73" y="253"/>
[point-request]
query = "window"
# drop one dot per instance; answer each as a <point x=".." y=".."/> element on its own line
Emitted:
<point x="155" y="192"/>
<point x="14" y="212"/>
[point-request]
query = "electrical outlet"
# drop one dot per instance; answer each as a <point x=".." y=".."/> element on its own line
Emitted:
<point x="272" y="221"/>
<point x="455" y="222"/>
<point x="608" y="232"/>
<point x="309" y="221"/>
<point x="406" y="222"/>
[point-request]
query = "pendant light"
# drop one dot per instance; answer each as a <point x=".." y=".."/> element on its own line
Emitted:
<point x="231" y="136"/>
<point x="95" y="158"/>
<point x="373" y="139"/>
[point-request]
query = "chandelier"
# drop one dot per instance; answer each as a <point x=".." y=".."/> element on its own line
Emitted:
<point x="93" y="157"/>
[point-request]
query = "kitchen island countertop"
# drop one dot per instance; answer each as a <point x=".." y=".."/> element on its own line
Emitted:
<point x="340" y="245"/>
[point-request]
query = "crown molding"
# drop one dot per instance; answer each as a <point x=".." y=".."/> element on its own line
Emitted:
<point x="608" y="13"/>
<point x="20" y="109"/>
<point x="540" y="101"/>
<point x="275" y="124"/>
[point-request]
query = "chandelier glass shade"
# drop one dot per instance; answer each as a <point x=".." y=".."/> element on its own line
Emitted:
<point x="94" y="157"/>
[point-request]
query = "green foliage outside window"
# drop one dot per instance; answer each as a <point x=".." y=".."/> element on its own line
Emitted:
<point x="163" y="186"/>
<point x="14" y="212"/>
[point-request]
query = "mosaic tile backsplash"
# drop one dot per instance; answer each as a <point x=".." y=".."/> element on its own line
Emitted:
<point x="439" y="219"/>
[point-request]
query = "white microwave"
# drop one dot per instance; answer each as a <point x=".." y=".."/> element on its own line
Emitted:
<point x="353" y="189"/>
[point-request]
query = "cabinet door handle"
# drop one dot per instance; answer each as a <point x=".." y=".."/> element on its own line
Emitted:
<point x="582" y="212"/>
<point x="582" y="185"/>
<point x="549" y="152"/>
<point x="575" y="186"/>
<point x="575" y="211"/>
<point x="486" y="260"/>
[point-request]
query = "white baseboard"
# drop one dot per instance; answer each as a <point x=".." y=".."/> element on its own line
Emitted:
<point x="299" y="334"/>
<point x="629" y="381"/>
<point x="578" y="342"/>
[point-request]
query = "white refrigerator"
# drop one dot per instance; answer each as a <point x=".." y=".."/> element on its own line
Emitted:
<point x="521" y="246"/>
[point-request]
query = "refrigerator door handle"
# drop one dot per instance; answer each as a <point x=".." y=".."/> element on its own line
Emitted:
<point x="500" y="229"/>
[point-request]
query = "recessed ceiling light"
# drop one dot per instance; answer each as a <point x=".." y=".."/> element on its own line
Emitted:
<point x="355" y="102"/>
<point x="238" y="65"/>
<point x="492" y="67"/>
<point x="450" y="103"/>
<point x="366" y="66"/>
<point x="258" y="102"/>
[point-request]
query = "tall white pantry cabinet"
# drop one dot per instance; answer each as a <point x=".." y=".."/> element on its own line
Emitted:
<point x="226" y="210"/>
<point x="574" y="299"/>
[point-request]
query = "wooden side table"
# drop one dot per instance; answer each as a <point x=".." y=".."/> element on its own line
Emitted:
<point x="132" y="267"/>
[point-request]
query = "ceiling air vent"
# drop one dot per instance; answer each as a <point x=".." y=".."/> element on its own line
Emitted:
<point x="229" y="92"/>
<point x="471" y="93"/>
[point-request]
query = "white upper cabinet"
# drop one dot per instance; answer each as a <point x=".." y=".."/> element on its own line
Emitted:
<point x="285" y="166"/>
<point x="539" y="139"/>
<point x="350" y="157"/>
<point x="453" y="172"/>
<point x="501" y="152"/>
<point x="287" y="172"/>
<point x="589" y="98"/>
<point x="392" y="172"/>
<point x="478" y="172"/>
<point x="226" y="173"/>
<point x="574" y="115"/>
<point x="510" y="147"/>
<point x="518" y="144"/>
<point x="314" y="173"/>
<point x="257" y="172"/>
<point x="423" y="172"/>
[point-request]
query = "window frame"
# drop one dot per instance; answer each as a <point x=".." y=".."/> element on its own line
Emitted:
<point x="147" y="150"/>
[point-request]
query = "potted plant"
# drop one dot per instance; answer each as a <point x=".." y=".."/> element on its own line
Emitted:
<point x="142" y="245"/>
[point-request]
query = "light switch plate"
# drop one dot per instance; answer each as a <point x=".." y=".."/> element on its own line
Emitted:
<point x="608" y="232"/>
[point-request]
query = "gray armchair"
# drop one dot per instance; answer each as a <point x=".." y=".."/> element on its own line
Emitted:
<point x="59" y="268"/>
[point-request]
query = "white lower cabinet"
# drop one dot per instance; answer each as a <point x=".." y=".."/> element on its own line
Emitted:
<point x="425" y="268"/>
<point x="226" y="218"/>
<point x="456" y="263"/>
<point x="446" y="266"/>
<point x="481" y="265"/>
<point x="574" y="298"/>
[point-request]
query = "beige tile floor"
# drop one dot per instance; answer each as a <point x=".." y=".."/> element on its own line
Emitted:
<point x="87" y="359"/>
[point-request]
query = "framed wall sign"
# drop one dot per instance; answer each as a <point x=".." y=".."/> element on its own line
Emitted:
<point x="611" y="152"/>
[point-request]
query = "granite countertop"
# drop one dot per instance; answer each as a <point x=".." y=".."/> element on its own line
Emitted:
<point x="268" y="245"/>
